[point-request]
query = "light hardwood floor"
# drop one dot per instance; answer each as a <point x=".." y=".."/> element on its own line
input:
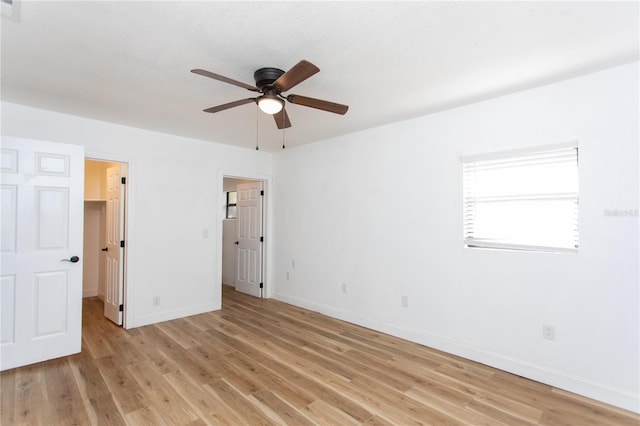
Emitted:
<point x="261" y="362"/>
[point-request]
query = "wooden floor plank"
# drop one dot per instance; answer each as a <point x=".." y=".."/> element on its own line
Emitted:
<point x="88" y="377"/>
<point x="382" y="407"/>
<point x="105" y="412"/>
<point x="65" y="400"/>
<point x="323" y="413"/>
<point x="8" y="397"/>
<point x="320" y="390"/>
<point x="411" y="408"/>
<point x="146" y="416"/>
<point x="266" y="362"/>
<point x="293" y="395"/>
<point x="164" y="398"/>
<point x="95" y="341"/>
<point x="181" y="359"/>
<point x="283" y="412"/>
<point x="457" y="410"/>
<point x="31" y="397"/>
<point x="209" y="409"/>
<point x="377" y="421"/>
<point x="127" y="393"/>
<point x="249" y="413"/>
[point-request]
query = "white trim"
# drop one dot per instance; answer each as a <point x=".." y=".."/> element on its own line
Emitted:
<point x="268" y="230"/>
<point x="556" y="378"/>
<point x="482" y="244"/>
<point x="91" y="292"/>
<point x="171" y="315"/>
<point x="518" y="152"/>
<point x="128" y="317"/>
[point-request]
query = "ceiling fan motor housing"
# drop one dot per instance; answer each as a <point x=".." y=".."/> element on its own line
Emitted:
<point x="266" y="76"/>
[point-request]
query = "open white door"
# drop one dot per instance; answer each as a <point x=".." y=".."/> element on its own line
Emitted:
<point x="113" y="292"/>
<point x="250" y="239"/>
<point x="42" y="226"/>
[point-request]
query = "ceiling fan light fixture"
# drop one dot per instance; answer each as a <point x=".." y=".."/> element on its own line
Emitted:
<point x="270" y="104"/>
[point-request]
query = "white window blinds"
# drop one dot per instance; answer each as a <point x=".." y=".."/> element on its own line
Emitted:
<point x="525" y="201"/>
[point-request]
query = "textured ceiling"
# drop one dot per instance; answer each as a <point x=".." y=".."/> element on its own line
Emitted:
<point x="128" y="62"/>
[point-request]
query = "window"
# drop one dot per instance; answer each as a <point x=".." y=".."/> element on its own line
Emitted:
<point x="10" y="9"/>
<point x="232" y="197"/>
<point x="522" y="201"/>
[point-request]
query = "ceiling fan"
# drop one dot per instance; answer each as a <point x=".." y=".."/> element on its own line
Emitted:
<point x="271" y="82"/>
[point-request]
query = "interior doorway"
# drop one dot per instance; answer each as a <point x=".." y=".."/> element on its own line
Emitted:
<point x="243" y="235"/>
<point x="105" y="213"/>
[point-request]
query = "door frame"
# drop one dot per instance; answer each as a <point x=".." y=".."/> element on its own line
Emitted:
<point x="267" y="248"/>
<point x="129" y="226"/>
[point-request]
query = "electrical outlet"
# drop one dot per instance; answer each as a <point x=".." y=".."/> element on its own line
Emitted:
<point x="156" y="300"/>
<point x="287" y="274"/>
<point x="293" y="263"/>
<point x="404" y="301"/>
<point x="344" y="287"/>
<point x="548" y="332"/>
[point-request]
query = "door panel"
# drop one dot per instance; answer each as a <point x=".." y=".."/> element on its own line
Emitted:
<point x="52" y="220"/>
<point x="42" y="225"/>
<point x="113" y="293"/>
<point x="250" y="250"/>
<point x="50" y="303"/>
<point x="8" y="294"/>
<point x="9" y="216"/>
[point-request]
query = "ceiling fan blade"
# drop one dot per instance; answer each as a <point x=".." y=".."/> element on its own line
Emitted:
<point x="230" y="105"/>
<point x="282" y="119"/>
<point x="318" y="104"/>
<point x="224" y="79"/>
<point x="296" y="75"/>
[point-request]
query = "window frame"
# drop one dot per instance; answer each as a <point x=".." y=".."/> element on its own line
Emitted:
<point x="468" y="201"/>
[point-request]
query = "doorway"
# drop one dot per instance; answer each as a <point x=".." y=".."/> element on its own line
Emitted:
<point x="104" y="229"/>
<point x="243" y="235"/>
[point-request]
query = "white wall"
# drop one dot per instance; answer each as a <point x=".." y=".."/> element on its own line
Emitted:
<point x="230" y="184"/>
<point x="173" y="192"/>
<point x="381" y="211"/>
<point x="95" y="179"/>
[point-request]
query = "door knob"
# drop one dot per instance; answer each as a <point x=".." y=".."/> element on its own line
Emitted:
<point x="105" y="249"/>
<point x="237" y="242"/>
<point x="72" y="259"/>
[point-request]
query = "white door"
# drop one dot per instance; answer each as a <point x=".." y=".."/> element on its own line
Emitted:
<point x="42" y="226"/>
<point x="113" y="292"/>
<point x="249" y="242"/>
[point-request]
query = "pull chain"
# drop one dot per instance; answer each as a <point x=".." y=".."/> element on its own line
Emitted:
<point x="283" y="113"/>
<point x="257" y="116"/>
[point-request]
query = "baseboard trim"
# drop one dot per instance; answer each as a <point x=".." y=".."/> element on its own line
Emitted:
<point x="93" y="292"/>
<point x="170" y="315"/>
<point x="561" y="380"/>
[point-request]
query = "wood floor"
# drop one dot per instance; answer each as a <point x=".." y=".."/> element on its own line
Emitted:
<point x="261" y="362"/>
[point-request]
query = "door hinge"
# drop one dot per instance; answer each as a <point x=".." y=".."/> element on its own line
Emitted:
<point x="121" y="308"/>
<point x="261" y="285"/>
<point x="123" y="180"/>
<point x="262" y="192"/>
<point x="122" y="243"/>
<point x="262" y="239"/>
